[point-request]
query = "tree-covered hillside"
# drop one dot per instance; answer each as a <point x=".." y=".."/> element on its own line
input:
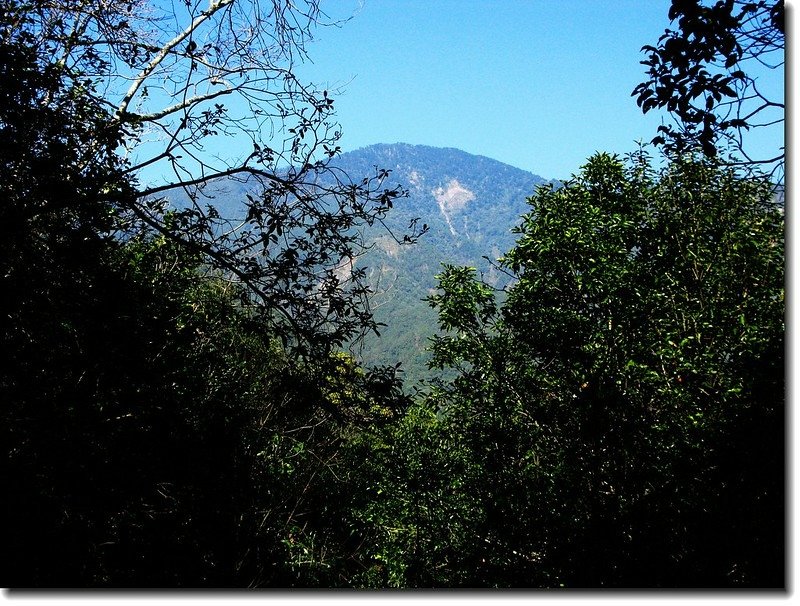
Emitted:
<point x="470" y="205"/>
<point x="189" y="261"/>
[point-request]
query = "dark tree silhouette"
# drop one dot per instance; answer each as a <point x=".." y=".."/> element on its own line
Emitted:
<point x="705" y="72"/>
<point x="201" y="91"/>
<point x="156" y="430"/>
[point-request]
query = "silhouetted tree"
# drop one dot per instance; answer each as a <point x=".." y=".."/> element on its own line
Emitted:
<point x="705" y="72"/>
<point x="200" y="91"/>
<point x="157" y="429"/>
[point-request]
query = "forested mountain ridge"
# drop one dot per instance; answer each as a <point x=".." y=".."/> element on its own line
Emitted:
<point x="468" y="202"/>
<point x="462" y="197"/>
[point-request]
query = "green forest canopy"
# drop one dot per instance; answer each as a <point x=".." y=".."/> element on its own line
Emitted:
<point x="178" y="410"/>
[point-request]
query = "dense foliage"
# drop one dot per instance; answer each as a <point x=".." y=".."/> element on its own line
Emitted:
<point x="158" y="430"/>
<point x="618" y="420"/>
<point x="159" y="437"/>
<point x="177" y="410"/>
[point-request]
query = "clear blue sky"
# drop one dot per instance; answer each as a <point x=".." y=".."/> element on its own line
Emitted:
<point x="538" y="84"/>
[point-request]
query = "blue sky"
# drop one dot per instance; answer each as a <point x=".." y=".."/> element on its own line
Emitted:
<point x="538" y="84"/>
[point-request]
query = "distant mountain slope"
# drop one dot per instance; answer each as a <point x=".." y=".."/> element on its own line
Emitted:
<point x="470" y="203"/>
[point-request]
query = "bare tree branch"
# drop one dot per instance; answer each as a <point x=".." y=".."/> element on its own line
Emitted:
<point x="205" y="96"/>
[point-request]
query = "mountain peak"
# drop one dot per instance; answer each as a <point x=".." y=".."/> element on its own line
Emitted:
<point x="386" y="155"/>
<point x="464" y="195"/>
<point x="470" y="204"/>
